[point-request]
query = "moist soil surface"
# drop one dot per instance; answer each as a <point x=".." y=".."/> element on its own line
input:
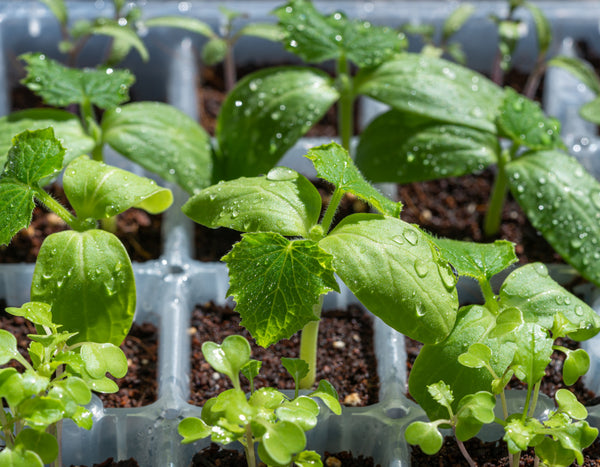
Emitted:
<point x="139" y="231"/>
<point x="345" y="355"/>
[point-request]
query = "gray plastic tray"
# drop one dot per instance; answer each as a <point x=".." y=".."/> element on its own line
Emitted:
<point x="168" y="288"/>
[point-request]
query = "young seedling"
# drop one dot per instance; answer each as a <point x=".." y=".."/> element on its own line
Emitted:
<point x="267" y="418"/>
<point x="287" y="259"/>
<point x="85" y="258"/>
<point x="456" y="381"/>
<point x="54" y="386"/>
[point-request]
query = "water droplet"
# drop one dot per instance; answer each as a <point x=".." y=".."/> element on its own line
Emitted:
<point x="579" y="310"/>
<point x="281" y="174"/>
<point x="398" y="239"/>
<point x="421" y="267"/>
<point x="411" y="236"/>
<point x="541" y="269"/>
<point x="420" y="309"/>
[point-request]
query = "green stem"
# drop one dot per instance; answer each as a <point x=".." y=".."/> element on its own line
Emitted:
<point x="516" y="458"/>
<point x="336" y="197"/>
<point x="493" y="216"/>
<point x="346" y="102"/>
<point x="57" y="208"/>
<point x="536" y="393"/>
<point x="527" y="404"/>
<point x="8" y="435"/>
<point x="308" y="347"/>
<point x="249" y="447"/>
<point x="489" y="296"/>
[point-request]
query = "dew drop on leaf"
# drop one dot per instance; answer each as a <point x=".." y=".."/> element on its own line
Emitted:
<point x="421" y="267"/>
<point x="398" y="239"/>
<point x="281" y="174"/>
<point x="541" y="269"/>
<point x="411" y="236"/>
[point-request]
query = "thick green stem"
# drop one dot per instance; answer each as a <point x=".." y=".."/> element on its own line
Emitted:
<point x="57" y="208"/>
<point x="308" y="346"/>
<point x="346" y="102"/>
<point x="493" y="216"/>
<point x="249" y="447"/>
<point x="536" y="393"/>
<point x="489" y="296"/>
<point x="336" y="197"/>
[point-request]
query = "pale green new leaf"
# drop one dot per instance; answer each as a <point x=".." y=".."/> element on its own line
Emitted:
<point x="531" y="290"/>
<point x="474" y="410"/>
<point x="542" y="27"/>
<point x="40" y="442"/>
<point x="478" y="356"/>
<point x="193" y="429"/>
<point x="296" y="367"/>
<point x="58" y="9"/>
<point x="163" y="140"/>
<point x="426" y="435"/>
<point x="394" y="270"/>
<point x="61" y="86"/>
<point x="333" y="163"/>
<point x="272" y="109"/>
<point x="8" y="346"/>
<point x="283" y="201"/>
<point x="181" y="22"/>
<point x="302" y="411"/>
<point x="456" y="20"/>
<point x="228" y="357"/>
<point x="19" y="458"/>
<point x="281" y="441"/>
<point x="567" y="209"/>
<point x="105" y="358"/>
<point x="127" y="37"/>
<point x="327" y="393"/>
<point x="308" y="459"/>
<point x="532" y="355"/>
<point x="442" y="394"/>
<point x="576" y="364"/>
<point x="89" y="272"/>
<point x="36" y="312"/>
<point x="591" y="111"/>
<point x="434" y="88"/>
<point x="579" y="68"/>
<point x="98" y="191"/>
<point x="67" y="129"/>
<point x="268" y="31"/>
<point x="478" y="260"/>
<point x="400" y="147"/>
<point x="276" y="283"/>
<point x="567" y="403"/>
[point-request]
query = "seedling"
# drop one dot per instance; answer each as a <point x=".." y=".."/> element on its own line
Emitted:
<point x="456" y="381"/>
<point x="85" y="258"/>
<point x="266" y="417"/>
<point x="278" y="282"/>
<point x="56" y="385"/>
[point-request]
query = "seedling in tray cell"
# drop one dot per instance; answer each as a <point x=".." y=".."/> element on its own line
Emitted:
<point x="460" y="380"/>
<point x="267" y="417"/>
<point x="56" y="384"/>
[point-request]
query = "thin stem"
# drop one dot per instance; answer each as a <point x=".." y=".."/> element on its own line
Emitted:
<point x="336" y="197"/>
<point x="489" y="296"/>
<point x="57" y="208"/>
<point x="536" y="393"/>
<point x="533" y="80"/>
<point x="308" y="347"/>
<point x="346" y="102"/>
<point x="465" y="453"/>
<point x="527" y="404"/>
<point x="229" y="68"/>
<point x="249" y="447"/>
<point x="493" y="216"/>
<point x="504" y="405"/>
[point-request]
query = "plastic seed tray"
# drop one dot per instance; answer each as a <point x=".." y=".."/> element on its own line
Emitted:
<point x="168" y="288"/>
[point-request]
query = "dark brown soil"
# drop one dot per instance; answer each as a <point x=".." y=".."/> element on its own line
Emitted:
<point x="345" y="354"/>
<point x="139" y="231"/>
<point x="213" y="456"/>
<point x="110" y="462"/>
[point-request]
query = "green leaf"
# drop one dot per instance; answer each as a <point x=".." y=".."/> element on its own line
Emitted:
<point x="439" y="362"/>
<point x="276" y="283"/>
<point x="40" y="412"/>
<point x="267" y="400"/>
<point x="478" y="356"/>
<point x="268" y="31"/>
<point x="181" y="22"/>
<point x="89" y="272"/>
<point x="193" y="429"/>
<point x="398" y="146"/>
<point x="579" y="68"/>
<point x="283" y="201"/>
<point x="43" y="444"/>
<point x="478" y="260"/>
<point x="442" y="394"/>
<point x="474" y="411"/>
<point x="327" y="393"/>
<point x="542" y="27"/>
<point x="280" y="442"/>
<point x="100" y="359"/>
<point x="316" y="38"/>
<point x="16" y="204"/>
<point x="531" y="290"/>
<point x="229" y="357"/>
<point x="19" y="458"/>
<point x="12" y="386"/>
<point x="98" y="191"/>
<point x="8" y="346"/>
<point x="507" y="321"/>
<point x="126" y="36"/>
<point x="272" y="108"/>
<point x="426" y="435"/>
<point x="572" y="436"/>
<point x="58" y="9"/>
<point x="532" y="354"/>
<point x="296" y="367"/>
<point x="36" y="312"/>
<point x="568" y="403"/>
<point x="163" y="140"/>
<point x="567" y="209"/>
<point x="251" y="370"/>
<point x="75" y="388"/>
<point x="456" y="20"/>
<point x="576" y="364"/>
<point x="333" y="163"/>
<point x="67" y="128"/>
<point x="434" y="88"/>
<point x="60" y="86"/>
<point x="520" y="434"/>
<point x="395" y="271"/>
<point x="524" y="122"/>
<point x="214" y="51"/>
<point x="552" y="453"/>
<point x="591" y="111"/>
<point x="308" y="459"/>
<point x="302" y="411"/>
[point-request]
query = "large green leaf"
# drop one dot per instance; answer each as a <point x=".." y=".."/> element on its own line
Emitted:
<point x="97" y="191"/>
<point x="333" y="163"/>
<point x="531" y="289"/>
<point x="316" y="38"/>
<point x="61" y="86"/>
<point x="395" y="271"/>
<point x="439" y="362"/>
<point x="434" y="88"/>
<point x="533" y="353"/>
<point x="400" y="147"/>
<point x="562" y="201"/>
<point x="265" y="114"/>
<point x="163" y="140"/>
<point x="88" y="280"/>
<point x="276" y="283"/>
<point x="33" y="156"/>
<point x="283" y="201"/>
<point x="67" y="129"/>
